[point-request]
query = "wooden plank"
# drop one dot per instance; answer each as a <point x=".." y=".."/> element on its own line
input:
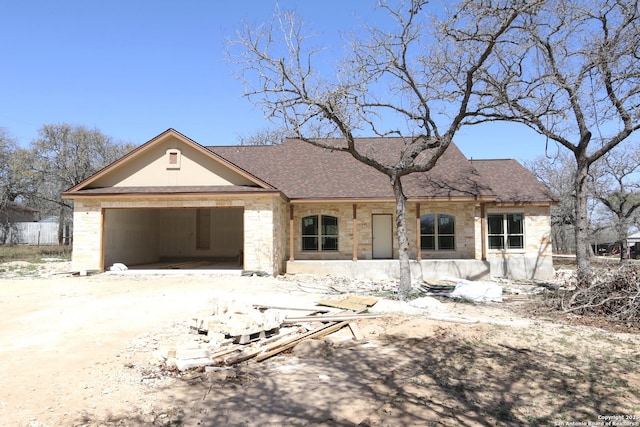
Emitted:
<point x="368" y="301"/>
<point x="312" y="334"/>
<point x="226" y="351"/>
<point x="345" y="305"/>
<point x="355" y="330"/>
<point x="353" y="302"/>
<point x="282" y="334"/>
<point x="275" y="307"/>
<point x="261" y="349"/>
<point x="331" y="318"/>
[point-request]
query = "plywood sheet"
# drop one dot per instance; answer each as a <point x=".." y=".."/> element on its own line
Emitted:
<point x="355" y="303"/>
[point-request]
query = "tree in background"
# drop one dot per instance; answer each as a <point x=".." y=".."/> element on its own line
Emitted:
<point x="616" y="184"/>
<point x="265" y="136"/>
<point x="409" y="77"/>
<point x="572" y="74"/>
<point x="8" y="148"/>
<point x="8" y="194"/>
<point x="61" y="157"/>
<point x="557" y="172"/>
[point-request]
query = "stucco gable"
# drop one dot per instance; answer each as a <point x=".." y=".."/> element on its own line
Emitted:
<point x="172" y="160"/>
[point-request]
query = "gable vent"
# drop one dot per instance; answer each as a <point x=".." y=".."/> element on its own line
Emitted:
<point x="173" y="158"/>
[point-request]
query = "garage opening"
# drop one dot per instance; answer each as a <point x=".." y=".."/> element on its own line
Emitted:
<point x="186" y="238"/>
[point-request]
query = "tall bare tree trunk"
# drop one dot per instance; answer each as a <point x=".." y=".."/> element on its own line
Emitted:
<point x="583" y="251"/>
<point x="404" y="287"/>
<point x="623" y="231"/>
<point x="61" y="221"/>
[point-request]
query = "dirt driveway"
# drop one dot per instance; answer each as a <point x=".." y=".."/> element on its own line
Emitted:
<point x="76" y="351"/>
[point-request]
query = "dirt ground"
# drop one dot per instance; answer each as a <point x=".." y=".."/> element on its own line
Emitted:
<point x="76" y="351"/>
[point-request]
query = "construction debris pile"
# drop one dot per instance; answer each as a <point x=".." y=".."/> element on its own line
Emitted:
<point x="476" y="291"/>
<point x="230" y="332"/>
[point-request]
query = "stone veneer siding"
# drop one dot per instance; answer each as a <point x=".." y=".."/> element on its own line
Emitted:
<point x="262" y="249"/>
<point x="87" y="235"/>
<point x="462" y="211"/>
<point x="266" y="229"/>
<point x="535" y="261"/>
<point x="280" y="235"/>
<point x="537" y="229"/>
<point x="464" y="228"/>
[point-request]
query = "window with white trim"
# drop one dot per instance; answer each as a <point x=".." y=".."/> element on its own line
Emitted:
<point x="437" y="232"/>
<point x="320" y="233"/>
<point x="505" y="231"/>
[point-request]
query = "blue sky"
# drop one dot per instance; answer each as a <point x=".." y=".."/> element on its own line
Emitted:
<point x="132" y="69"/>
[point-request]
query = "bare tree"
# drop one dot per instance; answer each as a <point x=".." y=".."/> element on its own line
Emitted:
<point x="616" y="184"/>
<point x="558" y="172"/>
<point x="8" y="148"/>
<point x="62" y="157"/>
<point x="401" y="78"/>
<point x="572" y="73"/>
<point x="265" y="136"/>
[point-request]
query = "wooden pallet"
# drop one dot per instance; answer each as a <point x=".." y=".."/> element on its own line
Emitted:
<point x="255" y="336"/>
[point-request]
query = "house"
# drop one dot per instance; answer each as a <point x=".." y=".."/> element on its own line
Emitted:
<point x="298" y="208"/>
<point x="11" y="212"/>
<point x="634" y="245"/>
<point x="12" y="215"/>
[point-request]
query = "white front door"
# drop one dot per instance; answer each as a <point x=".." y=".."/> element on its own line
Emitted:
<point x="382" y="235"/>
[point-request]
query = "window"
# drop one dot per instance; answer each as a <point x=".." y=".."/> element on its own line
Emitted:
<point x="506" y="231"/>
<point x="320" y="233"/>
<point x="437" y="232"/>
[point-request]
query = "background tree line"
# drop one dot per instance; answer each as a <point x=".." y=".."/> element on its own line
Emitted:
<point x="62" y="156"/>
<point x="613" y="197"/>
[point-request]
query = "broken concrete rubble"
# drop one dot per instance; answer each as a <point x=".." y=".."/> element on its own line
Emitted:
<point x="233" y="319"/>
<point x="228" y="333"/>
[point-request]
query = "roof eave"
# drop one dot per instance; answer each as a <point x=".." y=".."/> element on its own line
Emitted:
<point x="524" y="203"/>
<point x="164" y="195"/>
<point x="295" y="201"/>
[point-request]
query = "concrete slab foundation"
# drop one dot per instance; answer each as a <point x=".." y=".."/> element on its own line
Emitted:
<point x="390" y="269"/>
<point x="469" y="269"/>
<point x="523" y="268"/>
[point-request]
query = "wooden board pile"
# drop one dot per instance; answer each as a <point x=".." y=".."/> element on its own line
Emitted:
<point x="235" y="333"/>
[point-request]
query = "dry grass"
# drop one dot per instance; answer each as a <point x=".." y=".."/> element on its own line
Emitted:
<point x="34" y="254"/>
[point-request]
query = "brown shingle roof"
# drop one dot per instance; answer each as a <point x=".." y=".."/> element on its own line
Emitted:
<point x="512" y="182"/>
<point x="299" y="170"/>
<point x="303" y="171"/>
